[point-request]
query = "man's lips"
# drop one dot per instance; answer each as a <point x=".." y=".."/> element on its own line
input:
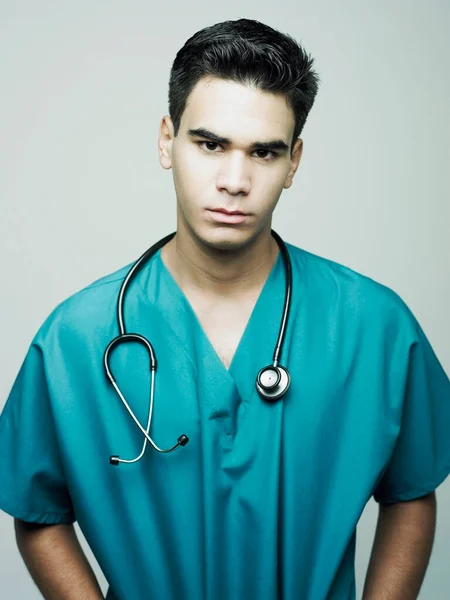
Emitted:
<point x="228" y="212"/>
<point x="233" y="217"/>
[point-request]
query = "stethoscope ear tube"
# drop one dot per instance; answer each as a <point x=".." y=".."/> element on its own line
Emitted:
<point x="122" y="339"/>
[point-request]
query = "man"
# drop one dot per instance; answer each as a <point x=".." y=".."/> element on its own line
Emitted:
<point x="263" y="501"/>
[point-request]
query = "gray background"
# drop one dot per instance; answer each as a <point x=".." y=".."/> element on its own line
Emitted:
<point x="83" y="87"/>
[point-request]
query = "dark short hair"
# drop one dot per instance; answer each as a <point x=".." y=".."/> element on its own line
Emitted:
<point x="250" y="53"/>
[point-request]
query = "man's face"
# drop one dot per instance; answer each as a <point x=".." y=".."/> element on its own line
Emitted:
<point x="233" y="175"/>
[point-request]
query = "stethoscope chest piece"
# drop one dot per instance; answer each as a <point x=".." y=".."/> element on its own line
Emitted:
<point x="272" y="382"/>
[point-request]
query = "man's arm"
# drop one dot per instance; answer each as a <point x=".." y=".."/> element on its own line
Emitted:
<point x="56" y="561"/>
<point x="401" y="550"/>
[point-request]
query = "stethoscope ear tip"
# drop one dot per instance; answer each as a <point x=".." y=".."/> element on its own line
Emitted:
<point x="114" y="460"/>
<point x="183" y="440"/>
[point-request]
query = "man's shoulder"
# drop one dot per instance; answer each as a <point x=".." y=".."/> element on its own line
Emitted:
<point x="346" y="288"/>
<point x="91" y="307"/>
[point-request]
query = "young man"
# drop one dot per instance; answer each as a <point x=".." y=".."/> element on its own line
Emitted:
<point x="264" y="499"/>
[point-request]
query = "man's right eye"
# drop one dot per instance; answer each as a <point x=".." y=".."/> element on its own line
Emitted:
<point x="208" y="149"/>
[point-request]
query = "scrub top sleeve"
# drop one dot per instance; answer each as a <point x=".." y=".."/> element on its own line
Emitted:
<point x="32" y="484"/>
<point x="421" y="458"/>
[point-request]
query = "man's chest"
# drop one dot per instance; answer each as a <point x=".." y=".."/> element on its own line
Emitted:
<point x="224" y="328"/>
<point x="224" y="323"/>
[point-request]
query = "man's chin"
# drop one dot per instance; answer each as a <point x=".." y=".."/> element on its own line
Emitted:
<point x="224" y="238"/>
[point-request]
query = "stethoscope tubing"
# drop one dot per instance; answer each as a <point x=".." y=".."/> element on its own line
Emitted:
<point x="137" y="266"/>
<point x="272" y="381"/>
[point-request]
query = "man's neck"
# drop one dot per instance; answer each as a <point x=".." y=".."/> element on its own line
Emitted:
<point x="224" y="274"/>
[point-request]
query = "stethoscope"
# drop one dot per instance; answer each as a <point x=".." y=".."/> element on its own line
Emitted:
<point x="272" y="381"/>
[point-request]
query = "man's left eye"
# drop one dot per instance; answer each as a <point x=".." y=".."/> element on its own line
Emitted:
<point x="265" y="152"/>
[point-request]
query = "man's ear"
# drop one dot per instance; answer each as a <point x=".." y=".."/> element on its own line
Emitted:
<point x="295" y="161"/>
<point x="165" y="141"/>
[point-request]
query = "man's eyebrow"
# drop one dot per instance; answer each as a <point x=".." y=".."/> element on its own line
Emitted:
<point x="269" y="145"/>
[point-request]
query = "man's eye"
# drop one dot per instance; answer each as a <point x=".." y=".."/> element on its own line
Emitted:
<point x="274" y="154"/>
<point x="208" y="146"/>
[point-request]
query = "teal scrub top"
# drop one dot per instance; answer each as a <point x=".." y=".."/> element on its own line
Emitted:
<point x="264" y="500"/>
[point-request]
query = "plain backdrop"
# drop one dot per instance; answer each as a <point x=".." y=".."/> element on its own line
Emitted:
<point x="83" y="87"/>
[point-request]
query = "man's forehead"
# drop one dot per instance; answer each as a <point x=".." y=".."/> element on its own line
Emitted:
<point x="219" y="99"/>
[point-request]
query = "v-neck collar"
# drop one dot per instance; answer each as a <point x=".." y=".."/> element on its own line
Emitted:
<point x="224" y="395"/>
<point x="178" y="293"/>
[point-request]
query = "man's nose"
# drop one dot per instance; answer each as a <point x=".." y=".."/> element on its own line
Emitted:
<point x="234" y="174"/>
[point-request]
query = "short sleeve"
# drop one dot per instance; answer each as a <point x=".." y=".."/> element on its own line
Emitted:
<point x="32" y="483"/>
<point x="421" y="458"/>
